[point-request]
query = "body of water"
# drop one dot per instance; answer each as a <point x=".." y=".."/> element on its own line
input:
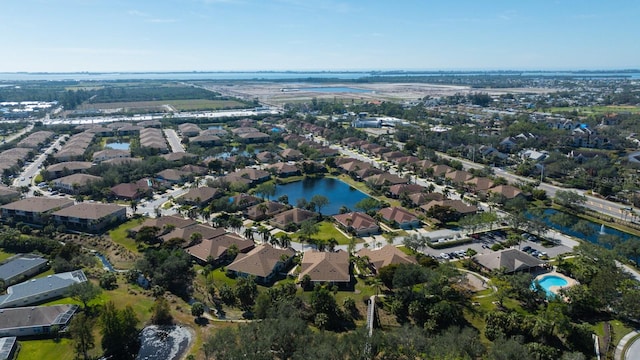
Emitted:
<point x="163" y="342"/>
<point x="118" y="145"/>
<point x="339" y="193"/>
<point x="598" y="230"/>
<point x="291" y="75"/>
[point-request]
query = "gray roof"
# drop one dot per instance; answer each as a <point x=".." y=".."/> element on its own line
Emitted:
<point x="93" y="211"/>
<point x="38" y="204"/>
<point x="510" y="259"/>
<point x="6" y="346"/>
<point x="19" y="265"/>
<point x="40" y="286"/>
<point x="24" y="317"/>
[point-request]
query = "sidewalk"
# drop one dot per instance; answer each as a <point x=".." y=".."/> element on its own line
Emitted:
<point x="623" y="342"/>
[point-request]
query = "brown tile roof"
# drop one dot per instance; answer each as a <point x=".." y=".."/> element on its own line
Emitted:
<point x="69" y="165"/>
<point x="423" y="198"/>
<point x="172" y="174"/>
<point x="291" y="154"/>
<point x="458" y="176"/>
<point x="408" y="189"/>
<point x="386" y="255"/>
<point x="359" y="221"/>
<point x="295" y="215"/>
<point x="92" y="211"/>
<point x="184" y="233"/>
<point x="80" y="179"/>
<point x="260" y="261"/>
<point x="326" y="266"/>
<point x="440" y="170"/>
<point x="386" y="179"/>
<point x="244" y="200"/>
<point x="205" y="194"/>
<point x="508" y="191"/>
<point x="397" y="214"/>
<point x="480" y="183"/>
<point x="284" y="168"/>
<point x="456" y="205"/>
<point x="255" y="212"/>
<point x="217" y="247"/>
<point x="161" y="222"/>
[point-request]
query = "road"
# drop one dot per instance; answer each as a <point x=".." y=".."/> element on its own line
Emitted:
<point x="148" y="208"/>
<point x="30" y="171"/>
<point x="174" y="140"/>
<point x="633" y="352"/>
<point x="12" y="137"/>
<point x="602" y="206"/>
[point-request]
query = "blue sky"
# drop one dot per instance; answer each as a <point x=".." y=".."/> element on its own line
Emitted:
<point x="227" y="35"/>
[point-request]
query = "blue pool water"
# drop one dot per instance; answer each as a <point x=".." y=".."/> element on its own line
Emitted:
<point x="118" y="145"/>
<point x="551" y="280"/>
<point x="338" y="193"/>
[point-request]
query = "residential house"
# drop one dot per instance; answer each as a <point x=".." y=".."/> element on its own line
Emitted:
<point x="214" y="250"/>
<point x="385" y="256"/>
<point x="282" y="169"/>
<point x="254" y="137"/>
<point x="440" y="170"/>
<point x="418" y="199"/>
<point x="508" y="191"/>
<point x="21" y="266"/>
<point x="292" y="216"/>
<point x="189" y="129"/>
<point x="205" y="140"/>
<point x="132" y="191"/>
<point x="458" y="177"/>
<point x="391" y="156"/>
<point x="33" y="210"/>
<point x="385" y="179"/>
<point x="164" y="223"/>
<point x="75" y="183"/>
<point x="264" y="262"/>
<point x="254" y="176"/>
<point x="108" y="154"/>
<point x="510" y="260"/>
<point x="243" y="201"/>
<point x="479" y="184"/>
<point x="267" y="157"/>
<point x="40" y="290"/>
<point x="34" y="320"/>
<point x="264" y="210"/>
<point x="400" y="217"/>
<point x="456" y="205"/>
<point x="331" y="268"/>
<point x="200" y="196"/>
<point x="8" y="194"/>
<point x="67" y="168"/>
<point x="90" y="217"/>
<point x="178" y="156"/>
<point x="291" y="154"/>
<point x="185" y="233"/>
<point x="358" y="223"/>
<point x="405" y="189"/>
<point x="172" y="176"/>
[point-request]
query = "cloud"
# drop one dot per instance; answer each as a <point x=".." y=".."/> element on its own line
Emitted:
<point x="148" y="18"/>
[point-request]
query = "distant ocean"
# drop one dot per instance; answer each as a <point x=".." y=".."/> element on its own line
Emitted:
<point x="267" y="75"/>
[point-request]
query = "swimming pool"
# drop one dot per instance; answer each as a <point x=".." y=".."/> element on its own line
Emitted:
<point x="551" y="280"/>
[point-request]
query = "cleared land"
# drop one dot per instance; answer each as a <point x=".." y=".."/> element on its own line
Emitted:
<point x="166" y="105"/>
<point x="273" y="94"/>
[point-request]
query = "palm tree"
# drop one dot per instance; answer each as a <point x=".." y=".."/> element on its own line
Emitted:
<point x="332" y="243"/>
<point x="263" y="208"/>
<point x="248" y="233"/>
<point x="285" y="241"/>
<point x="264" y="232"/>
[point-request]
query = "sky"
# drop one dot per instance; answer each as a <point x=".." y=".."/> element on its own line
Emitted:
<point x="249" y="35"/>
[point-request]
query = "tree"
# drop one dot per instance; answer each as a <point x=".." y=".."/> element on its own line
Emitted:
<point x="248" y="233"/>
<point x="367" y="204"/>
<point x="265" y="190"/>
<point x="320" y="201"/>
<point x="197" y="309"/>
<point x="81" y="331"/>
<point x="148" y="234"/>
<point x="570" y="199"/>
<point x="83" y="292"/>
<point x="246" y="291"/>
<point x="119" y="332"/>
<point x="285" y="241"/>
<point x="108" y="281"/>
<point x="161" y="314"/>
<point x="308" y="228"/>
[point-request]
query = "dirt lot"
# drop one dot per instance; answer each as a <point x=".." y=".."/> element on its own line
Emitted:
<point x="280" y="93"/>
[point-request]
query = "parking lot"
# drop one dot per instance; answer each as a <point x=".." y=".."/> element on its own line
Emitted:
<point x="482" y="245"/>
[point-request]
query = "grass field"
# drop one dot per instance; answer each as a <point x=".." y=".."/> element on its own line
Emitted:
<point x="119" y="235"/>
<point x="5" y="255"/>
<point x="327" y="231"/>
<point x="46" y="349"/>
<point x="597" y="110"/>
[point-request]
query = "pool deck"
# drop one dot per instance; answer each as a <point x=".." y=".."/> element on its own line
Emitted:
<point x="556" y="289"/>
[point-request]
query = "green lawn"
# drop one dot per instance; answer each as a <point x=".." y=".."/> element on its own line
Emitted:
<point x="119" y="235"/>
<point x="5" y="255"/>
<point x="46" y="349"/>
<point x="328" y="231"/>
